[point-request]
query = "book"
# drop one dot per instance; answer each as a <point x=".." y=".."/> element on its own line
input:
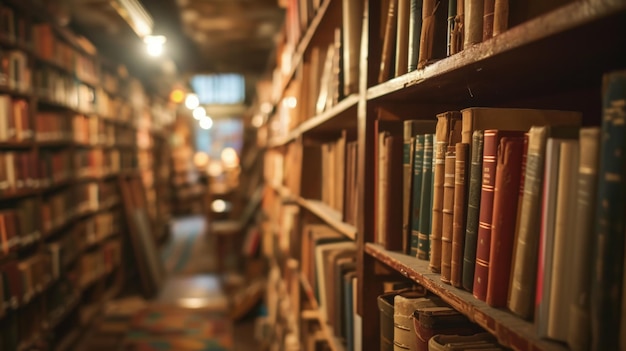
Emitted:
<point x="352" y="19"/>
<point x="448" y="215"/>
<point x="488" y="10"/>
<point x="500" y="16"/>
<point x="461" y="175"/>
<point x="473" y="24"/>
<point x="389" y="41"/>
<point x="434" y="29"/>
<point x="452" y="9"/>
<point x="423" y="248"/>
<point x="386" y="308"/>
<point x="505" y="199"/>
<point x="411" y="130"/>
<point x="524" y="268"/>
<point x="582" y="239"/>
<point x="405" y="304"/>
<point x="402" y="38"/>
<point x="440" y="320"/>
<point x="416" y="191"/>
<point x="448" y="133"/>
<point x="473" y="210"/>
<point x="610" y="222"/>
<point x="389" y="192"/>
<point x="546" y="239"/>
<point x="491" y="153"/>
<point x="415" y="29"/>
<point x="480" y="341"/>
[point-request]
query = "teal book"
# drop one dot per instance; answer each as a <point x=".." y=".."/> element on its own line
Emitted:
<point x="423" y="249"/>
<point x="418" y="169"/>
<point x="608" y="259"/>
<point x="473" y="207"/>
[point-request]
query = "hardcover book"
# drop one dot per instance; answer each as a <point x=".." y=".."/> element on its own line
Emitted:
<point x="508" y="174"/>
<point x="608" y="258"/>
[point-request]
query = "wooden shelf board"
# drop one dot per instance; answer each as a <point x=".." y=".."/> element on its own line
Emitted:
<point x="546" y="48"/>
<point x="16" y="93"/>
<point x="341" y="116"/>
<point x="330" y="216"/>
<point x="511" y="330"/>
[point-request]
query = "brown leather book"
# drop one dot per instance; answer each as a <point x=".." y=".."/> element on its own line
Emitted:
<point x="473" y="24"/>
<point x="500" y="16"/>
<point x="402" y="38"/>
<point x="393" y="217"/>
<point x="433" y="43"/>
<point x="448" y="133"/>
<point x="448" y="215"/>
<point x="508" y="174"/>
<point x="389" y="41"/>
<point x="488" y="9"/>
<point x="461" y="176"/>
<point x="440" y="320"/>
<point x="490" y="154"/>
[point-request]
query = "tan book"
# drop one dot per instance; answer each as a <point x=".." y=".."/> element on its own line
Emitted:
<point x="448" y="215"/>
<point x="488" y="10"/>
<point x="402" y="38"/>
<point x="352" y="23"/>
<point x="448" y="131"/>
<point x="461" y="178"/>
<point x="500" y="17"/>
<point x="473" y="23"/>
<point x="389" y="41"/>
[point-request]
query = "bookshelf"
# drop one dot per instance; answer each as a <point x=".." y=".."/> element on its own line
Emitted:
<point x="537" y="63"/>
<point x="67" y="133"/>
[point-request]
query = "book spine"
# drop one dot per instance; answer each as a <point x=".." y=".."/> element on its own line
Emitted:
<point x="473" y="24"/>
<point x="473" y="205"/>
<point x="393" y="219"/>
<point x="407" y="177"/>
<point x="415" y="29"/>
<point x="437" y="213"/>
<point x="459" y="219"/>
<point x="481" y="273"/>
<point x="456" y="39"/>
<point x="488" y="13"/>
<point x="423" y="250"/>
<point x="579" y="327"/>
<point x="501" y="17"/>
<point x="448" y="215"/>
<point x="402" y="38"/>
<point x="520" y="199"/>
<point x="450" y="35"/>
<point x="389" y="41"/>
<point x="416" y="192"/>
<point x="523" y="279"/>
<point x="434" y="29"/>
<point x="503" y="222"/>
<point x="610" y="220"/>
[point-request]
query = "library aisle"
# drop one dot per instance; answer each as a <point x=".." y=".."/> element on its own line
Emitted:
<point x="190" y="311"/>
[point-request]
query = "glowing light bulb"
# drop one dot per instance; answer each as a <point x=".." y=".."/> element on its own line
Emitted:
<point x="192" y="101"/>
<point x="206" y="123"/>
<point x="199" y="113"/>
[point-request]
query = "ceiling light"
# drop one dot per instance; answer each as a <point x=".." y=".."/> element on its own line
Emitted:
<point x="199" y="113"/>
<point x="192" y="101"/>
<point x="155" y="44"/>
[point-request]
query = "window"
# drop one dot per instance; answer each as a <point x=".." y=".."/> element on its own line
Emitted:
<point x="219" y="88"/>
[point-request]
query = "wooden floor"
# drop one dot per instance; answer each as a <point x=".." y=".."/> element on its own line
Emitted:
<point x="192" y="281"/>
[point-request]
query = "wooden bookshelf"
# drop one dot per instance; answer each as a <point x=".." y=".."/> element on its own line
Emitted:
<point x="554" y="59"/>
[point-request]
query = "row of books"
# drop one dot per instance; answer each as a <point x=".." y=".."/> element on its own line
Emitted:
<point x="482" y="224"/>
<point x="328" y="262"/>
<point x="22" y="280"/>
<point x="48" y="46"/>
<point x="81" y="129"/>
<point x="412" y="319"/>
<point x="15" y="73"/>
<point x="15" y="122"/>
<point x="415" y="33"/>
<point x="17" y="229"/>
<point x="23" y="170"/>
<point x="14" y="27"/>
<point x="97" y="264"/>
<point x="52" y="85"/>
<point x="60" y="208"/>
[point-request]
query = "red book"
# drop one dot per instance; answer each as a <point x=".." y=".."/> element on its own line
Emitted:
<point x="506" y="193"/>
<point x="490" y="154"/>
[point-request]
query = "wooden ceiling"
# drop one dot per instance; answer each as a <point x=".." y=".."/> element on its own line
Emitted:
<point x="202" y="35"/>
